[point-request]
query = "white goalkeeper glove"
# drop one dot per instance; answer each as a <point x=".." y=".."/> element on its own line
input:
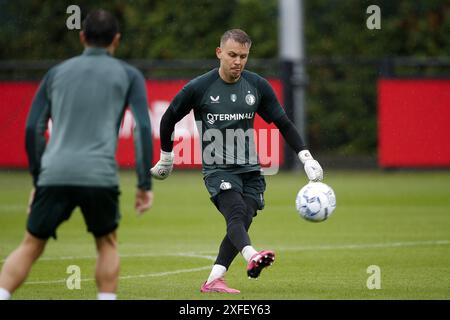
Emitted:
<point x="312" y="167"/>
<point x="164" y="167"/>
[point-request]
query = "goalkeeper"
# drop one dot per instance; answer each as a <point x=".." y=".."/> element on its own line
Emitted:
<point x="227" y="99"/>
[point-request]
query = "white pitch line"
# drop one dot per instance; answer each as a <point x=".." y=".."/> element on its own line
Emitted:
<point x="137" y="255"/>
<point x="367" y="245"/>
<point x="195" y="255"/>
<point x="204" y="254"/>
<point x="158" y="274"/>
<point x="360" y="246"/>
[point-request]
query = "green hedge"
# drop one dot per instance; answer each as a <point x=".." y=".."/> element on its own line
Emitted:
<point x="341" y="98"/>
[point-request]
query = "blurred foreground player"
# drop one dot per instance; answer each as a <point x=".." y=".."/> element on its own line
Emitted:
<point x="85" y="97"/>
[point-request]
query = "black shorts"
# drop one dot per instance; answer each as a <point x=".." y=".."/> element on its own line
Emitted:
<point x="249" y="184"/>
<point x="52" y="205"/>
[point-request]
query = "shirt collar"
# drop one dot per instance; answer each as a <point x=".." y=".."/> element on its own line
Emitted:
<point x="95" y="51"/>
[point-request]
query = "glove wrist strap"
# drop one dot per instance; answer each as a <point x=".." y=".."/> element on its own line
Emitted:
<point x="305" y="155"/>
<point x="166" y="156"/>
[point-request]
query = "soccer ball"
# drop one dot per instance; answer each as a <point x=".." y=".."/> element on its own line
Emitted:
<point x="315" y="202"/>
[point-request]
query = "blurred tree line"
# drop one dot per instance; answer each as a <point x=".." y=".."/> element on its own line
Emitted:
<point x="341" y="96"/>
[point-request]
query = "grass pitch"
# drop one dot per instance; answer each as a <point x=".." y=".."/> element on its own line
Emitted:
<point x="398" y="221"/>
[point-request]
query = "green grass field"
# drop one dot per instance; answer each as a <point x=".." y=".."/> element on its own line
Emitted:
<point x="399" y="221"/>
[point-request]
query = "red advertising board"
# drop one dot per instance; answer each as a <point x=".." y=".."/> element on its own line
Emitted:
<point x="16" y="98"/>
<point x="414" y="123"/>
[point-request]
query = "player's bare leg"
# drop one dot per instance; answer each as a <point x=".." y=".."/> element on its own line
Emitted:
<point x="18" y="264"/>
<point x="108" y="265"/>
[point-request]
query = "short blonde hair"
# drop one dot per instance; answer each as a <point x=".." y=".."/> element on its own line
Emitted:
<point x="237" y="35"/>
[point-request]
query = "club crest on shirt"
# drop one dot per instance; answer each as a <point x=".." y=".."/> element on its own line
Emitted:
<point x="233" y="97"/>
<point x="250" y="99"/>
<point x="225" y="185"/>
